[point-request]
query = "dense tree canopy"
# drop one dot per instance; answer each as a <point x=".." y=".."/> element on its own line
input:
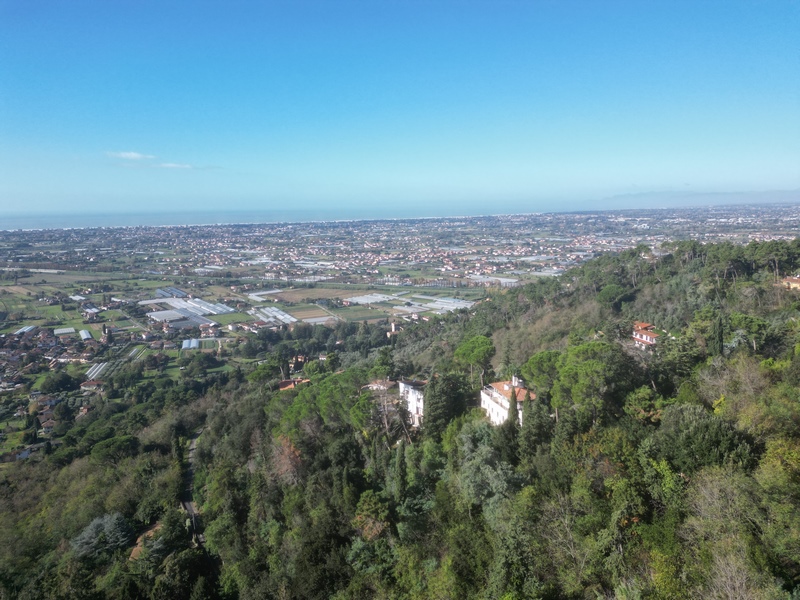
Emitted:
<point x="633" y="474"/>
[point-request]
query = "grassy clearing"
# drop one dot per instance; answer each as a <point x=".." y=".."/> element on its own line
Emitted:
<point x="10" y="424"/>
<point x="172" y="371"/>
<point x="37" y="383"/>
<point x="11" y="441"/>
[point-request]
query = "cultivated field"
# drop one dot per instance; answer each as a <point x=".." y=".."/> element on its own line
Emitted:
<point x="362" y="313"/>
<point x="228" y="318"/>
<point x="17" y="289"/>
<point x="307" y="313"/>
<point x="300" y="294"/>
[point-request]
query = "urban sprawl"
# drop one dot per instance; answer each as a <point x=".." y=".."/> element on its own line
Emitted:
<point x="88" y="302"/>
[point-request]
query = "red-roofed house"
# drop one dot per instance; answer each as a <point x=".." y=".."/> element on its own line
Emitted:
<point x="290" y="384"/>
<point x="793" y="283"/>
<point x="643" y="335"/>
<point x="92" y="385"/>
<point x="496" y="397"/>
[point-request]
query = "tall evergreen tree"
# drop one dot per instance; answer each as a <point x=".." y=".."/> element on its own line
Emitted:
<point x="399" y="472"/>
<point x="507" y="366"/>
<point x="537" y="427"/>
<point x="508" y="432"/>
<point x="445" y="399"/>
<point x="716" y="338"/>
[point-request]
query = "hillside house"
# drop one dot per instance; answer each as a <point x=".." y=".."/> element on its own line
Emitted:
<point x="792" y="283"/>
<point x="290" y="384"/>
<point x="644" y="335"/>
<point x="394" y="331"/>
<point x="92" y="385"/>
<point x="412" y="394"/>
<point x="496" y="398"/>
<point x="381" y="385"/>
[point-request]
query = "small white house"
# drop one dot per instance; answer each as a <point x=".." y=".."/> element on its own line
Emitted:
<point x="644" y="336"/>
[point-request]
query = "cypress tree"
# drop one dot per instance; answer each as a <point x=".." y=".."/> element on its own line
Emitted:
<point x="445" y="399"/>
<point x="716" y="338"/>
<point x="526" y="442"/>
<point x="435" y="411"/>
<point x="508" y="432"/>
<point x="537" y="426"/>
<point x="399" y="472"/>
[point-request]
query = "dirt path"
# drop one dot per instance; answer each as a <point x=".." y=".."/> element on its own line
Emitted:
<point x="187" y="498"/>
<point x="137" y="549"/>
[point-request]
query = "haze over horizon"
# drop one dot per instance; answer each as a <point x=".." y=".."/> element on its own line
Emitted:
<point x="394" y="109"/>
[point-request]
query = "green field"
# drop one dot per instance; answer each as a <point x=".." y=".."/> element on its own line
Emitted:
<point x="229" y="318"/>
<point x="361" y="313"/>
<point x="12" y="439"/>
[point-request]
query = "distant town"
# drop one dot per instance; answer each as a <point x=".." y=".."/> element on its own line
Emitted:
<point x="88" y="304"/>
<point x="436" y="252"/>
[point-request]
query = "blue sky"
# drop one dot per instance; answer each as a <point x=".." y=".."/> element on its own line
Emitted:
<point x="405" y="107"/>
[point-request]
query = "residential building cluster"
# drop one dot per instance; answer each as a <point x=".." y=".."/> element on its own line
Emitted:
<point x="462" y="252"/>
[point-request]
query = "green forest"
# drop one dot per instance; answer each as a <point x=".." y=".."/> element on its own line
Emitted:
<point x="664" y="474"/>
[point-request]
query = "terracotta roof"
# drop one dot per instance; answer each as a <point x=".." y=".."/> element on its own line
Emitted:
<point x="643" y="336"/>
<point x="646" y="333"/>
<point x="289" y="384"/>
<point x="504" y="388"/>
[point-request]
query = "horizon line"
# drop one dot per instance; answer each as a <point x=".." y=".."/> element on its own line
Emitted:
<point x="740" y="205"/>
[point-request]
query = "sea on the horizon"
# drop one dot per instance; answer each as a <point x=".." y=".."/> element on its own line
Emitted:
<point x="166" y="219"/>
<point x="155" y="219"/>
<point x="85" y="220"/>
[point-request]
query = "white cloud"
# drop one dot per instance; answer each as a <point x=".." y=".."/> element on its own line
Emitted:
<point x="173" y="166"/>
<point x="130" y="155"/>
<point x="139" y="160"/>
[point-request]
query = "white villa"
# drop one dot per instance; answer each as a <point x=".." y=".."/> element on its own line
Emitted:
<point x="411" y="392"/>
<point x="495" y="398"/>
